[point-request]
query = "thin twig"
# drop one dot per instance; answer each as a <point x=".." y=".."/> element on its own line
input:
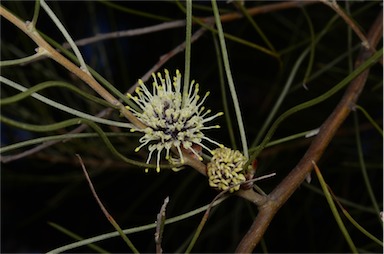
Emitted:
<point x="203" y="221"/>
<point x="127" y="33"/>
<point x="350" y="218"/>
<point x="66" y="35"/>
<point x="187" y="60"/>
<point x="333" y="208"/>
<point x="231" y="83"/>
<point x="327" y="131"/>
<point x="104" y="210"/>
<point x="266" y="9"/>
<point x="160" y="226"/>
<point x="333" y="4"/>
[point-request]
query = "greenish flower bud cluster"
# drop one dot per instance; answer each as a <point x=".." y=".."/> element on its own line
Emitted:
<point x="225" y="169"/>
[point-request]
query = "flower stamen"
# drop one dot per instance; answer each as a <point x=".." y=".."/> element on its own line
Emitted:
<point x="171" y="122"/>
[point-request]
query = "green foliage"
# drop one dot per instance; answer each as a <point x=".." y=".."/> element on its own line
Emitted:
<point x="276" y="69"/>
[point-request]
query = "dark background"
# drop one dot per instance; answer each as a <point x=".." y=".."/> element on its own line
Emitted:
<point x="49" y="186"/>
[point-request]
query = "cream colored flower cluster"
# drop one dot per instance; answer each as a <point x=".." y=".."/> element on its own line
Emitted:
<point x="171" y="120"/>
<point x="225" y="169"/>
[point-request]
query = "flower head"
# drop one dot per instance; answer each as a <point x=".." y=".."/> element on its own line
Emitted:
<point x="225" y="169"/>
<point x="171" y="119"/>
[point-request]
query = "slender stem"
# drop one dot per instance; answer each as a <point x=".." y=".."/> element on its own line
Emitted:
<point x="335" y="213"/>
<point x="29" y="30"/>
<point x="287" y="85"/>
<point x="134" y="12"/>
<point x="255" y="26"/>
<point x="349" y="21"/>
<point x="312" y="47"/>
<point x="36" y="12"/>
<point x="76" y="121"/>
<point x="105" y="211"/>
<point x="363" y="168"/>
<point x="203" y="222"/>
<point x="230" y="79"/>
<point x="306" y="134"/>
<point x="357" y="225"/>
<point x="282" y="96"/>
<point x="223" y="89"/>
<point x="27" y="92"/>
<point x="344" y="201"/>
<point x="204" y="22"/>
<point x="62" y="137"/>
<point x="133" y="230"/>
<point x="258" y="10"/>
<point x="66" y="108"/>
<point x="77" y="237"/>
<point x="358" y="71"/>
<point x="187" y="50"/>
<point x="23" y="60"/>
<point x="373" y="122"/>
<point x="131" y="32"/>
<point x="164" y="58"/>
<point x="66" y="35"/>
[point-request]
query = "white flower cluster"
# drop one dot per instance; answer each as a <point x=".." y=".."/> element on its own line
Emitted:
<point x="171" y="120"/>
<point x="225" y="169"/>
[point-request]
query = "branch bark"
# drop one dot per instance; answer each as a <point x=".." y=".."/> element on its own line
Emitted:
<point x="292" y="181"/>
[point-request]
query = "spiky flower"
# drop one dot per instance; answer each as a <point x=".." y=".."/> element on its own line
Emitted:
<point x="225" y="169"/>
<point x="172" y="120"/>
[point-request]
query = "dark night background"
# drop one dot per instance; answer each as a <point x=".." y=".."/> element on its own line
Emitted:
<point x="49" y="186"/>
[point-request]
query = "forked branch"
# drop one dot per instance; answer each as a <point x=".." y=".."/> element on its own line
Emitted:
<point x="327" y="131"/>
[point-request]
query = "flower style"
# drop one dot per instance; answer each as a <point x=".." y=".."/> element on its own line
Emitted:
<point x="225" y="169"/>
<point x="171" y="119"/>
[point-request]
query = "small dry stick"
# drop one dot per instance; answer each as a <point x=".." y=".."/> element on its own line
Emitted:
<point x="106" y="213"/>
<point x="127" y="33"/>
<point x="160" y="226"/>
<point x="333" y="4"/>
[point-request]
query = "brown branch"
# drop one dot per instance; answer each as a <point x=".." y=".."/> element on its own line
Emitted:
<point x="47" y="49"/>
<point x="327" y="131"/>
